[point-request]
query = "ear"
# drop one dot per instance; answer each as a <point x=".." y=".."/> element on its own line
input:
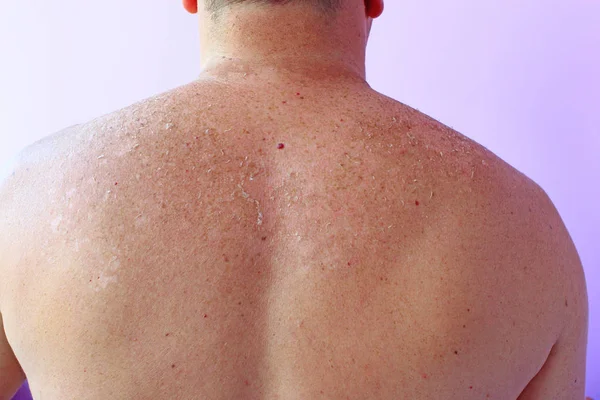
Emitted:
<point x="191" y="6"/>
<point x="374" y="8"/>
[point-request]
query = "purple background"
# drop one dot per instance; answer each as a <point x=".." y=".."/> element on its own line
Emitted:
<point x="522" y="78"/>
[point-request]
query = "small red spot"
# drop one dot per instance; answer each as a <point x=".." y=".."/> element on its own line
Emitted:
<point x="167" y="334"/>
<point x="173" y="366"/>
<point x="205" y="315"/>
<point x="297" y="94"/>
<point x="90" y="280"/>
<point x="116" y="183"/>
<point x="424" y="376"/>
<point x="470" y="387"/>
<point x="187" y="170"/>
<point x="348" y="262"/>
<point x="284" y="102"/>
<point x="342" y="120"/>
<point x="196" y="137"/>
<point x="417" y="202"/>
<point x="247" y="383"/>
<point x="280" y="146"/>
<point x="187" y="144"/>
<point x="85" y="370"/>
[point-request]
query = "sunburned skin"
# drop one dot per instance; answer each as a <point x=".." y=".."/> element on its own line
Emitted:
<point x="227" y="241"/>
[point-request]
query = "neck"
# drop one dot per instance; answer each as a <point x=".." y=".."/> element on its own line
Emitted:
<point x="284" y="40"/>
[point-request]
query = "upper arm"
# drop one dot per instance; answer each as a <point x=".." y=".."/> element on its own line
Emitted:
<point x="563" y="374"/>
<point x="11" y="373"/>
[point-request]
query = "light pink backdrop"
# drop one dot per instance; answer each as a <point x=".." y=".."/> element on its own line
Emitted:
<point x="522" y="78"/>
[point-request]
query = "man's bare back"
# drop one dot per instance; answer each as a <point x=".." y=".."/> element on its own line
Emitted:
<point x="251" y="242"/>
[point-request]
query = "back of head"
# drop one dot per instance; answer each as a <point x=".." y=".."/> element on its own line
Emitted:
<point x="325" y="6"/>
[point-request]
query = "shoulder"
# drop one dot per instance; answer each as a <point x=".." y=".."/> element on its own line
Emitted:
<point x="19" y="172"/>
<point x="30" y="157"/>
<point x="43" y="164"/>
<point x="510" y="205"/>
<point x="513" y="219"/>
<point x="48" y="154"/>
<point x="27" y="173"/>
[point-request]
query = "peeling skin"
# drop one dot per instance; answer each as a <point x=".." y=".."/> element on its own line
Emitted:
<point x="319" y="261"/>
<point x="247" y="197"/>
<point x="102" y="281"/>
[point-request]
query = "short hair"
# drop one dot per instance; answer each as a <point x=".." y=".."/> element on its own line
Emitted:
<point x="325" y="6"/>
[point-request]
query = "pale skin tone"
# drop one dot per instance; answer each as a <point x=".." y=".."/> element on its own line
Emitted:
<point x="277" y="229"/>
